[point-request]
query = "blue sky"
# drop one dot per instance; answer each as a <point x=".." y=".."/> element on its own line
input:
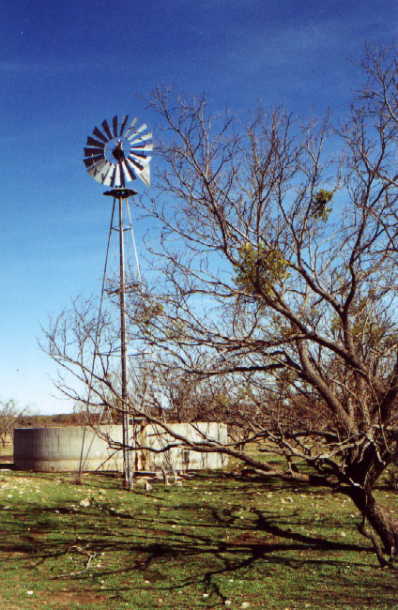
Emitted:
<point x="67" y="65"/>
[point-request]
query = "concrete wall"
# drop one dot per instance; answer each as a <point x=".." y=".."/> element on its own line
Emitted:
<point x="67" y="449"/>
<point x="74" y="448"/>
<point x="181" y="458"/>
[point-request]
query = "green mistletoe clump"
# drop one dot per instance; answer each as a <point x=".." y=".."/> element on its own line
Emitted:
<point x="260" y="268"/>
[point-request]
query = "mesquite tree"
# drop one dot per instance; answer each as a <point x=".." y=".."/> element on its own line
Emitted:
<point x="278" y="274"/>
<point x="279" y="245"/>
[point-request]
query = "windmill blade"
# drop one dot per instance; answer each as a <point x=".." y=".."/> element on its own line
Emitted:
<point x="140" y="171"/>
<point x="92" y="142"/>
<point x="142" y="128"/>
<point x="93" y="151"/>
<point x="107" y="176"/>
<point x="98" y="169"/>
<point x="134" y="141"/>
<point x="132" y="123"/>
<point x="107" y="129"/>
<point x="136" y="153"/>
<point x="130" y="169"/>
<point x="100" y="135"/>
<point x="114" y="126"/>
<point x="117" y="179"/>
<point x="123" y="125"/>
<point x="141" y="168"/>
<point x="145" y="175"/>
<point x="137" y="135"/>
<point x="90" y="161"/>
<point x="147" y="146"/>
<point x="141" y="159"/>
<point x="124" y="175"/>
<point x="137" y="164"/>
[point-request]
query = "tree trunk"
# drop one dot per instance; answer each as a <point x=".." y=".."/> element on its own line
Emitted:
<point x="382" y="524"/>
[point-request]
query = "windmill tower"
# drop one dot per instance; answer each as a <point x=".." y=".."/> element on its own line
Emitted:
<point x="115" y="154"/>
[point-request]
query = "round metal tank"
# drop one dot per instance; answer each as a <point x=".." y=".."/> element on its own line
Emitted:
<point x="68" y="449"/>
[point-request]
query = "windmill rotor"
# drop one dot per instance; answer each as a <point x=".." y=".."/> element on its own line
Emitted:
<point x="117" y="152"/>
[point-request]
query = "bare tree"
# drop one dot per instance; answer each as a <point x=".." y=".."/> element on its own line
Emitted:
<point x="285" y="276"/>
<point x="10" y="415"/>
<point x="278" y="255"/>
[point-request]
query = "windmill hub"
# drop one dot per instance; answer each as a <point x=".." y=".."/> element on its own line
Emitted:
<point x="114" y="150"/>
<point x="118" y="152"/>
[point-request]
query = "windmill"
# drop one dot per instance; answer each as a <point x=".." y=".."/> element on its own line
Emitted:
<point x="115" y="154"/>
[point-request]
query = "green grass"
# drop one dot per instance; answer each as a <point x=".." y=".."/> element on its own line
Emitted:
<point x="215" y="542"/>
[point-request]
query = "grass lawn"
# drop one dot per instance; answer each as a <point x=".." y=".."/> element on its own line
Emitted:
<point x="214" y="542"/>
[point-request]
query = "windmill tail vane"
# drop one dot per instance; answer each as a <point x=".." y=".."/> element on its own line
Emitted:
<point x="118" y="152"/>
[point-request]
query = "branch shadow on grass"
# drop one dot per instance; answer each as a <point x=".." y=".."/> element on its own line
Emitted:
<point x="198" y="550"/>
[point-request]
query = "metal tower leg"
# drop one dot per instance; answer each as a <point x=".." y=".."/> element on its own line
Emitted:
<point x="127" y="477"/>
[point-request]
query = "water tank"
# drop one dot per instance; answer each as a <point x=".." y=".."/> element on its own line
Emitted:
<point x="68" y="449"/>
